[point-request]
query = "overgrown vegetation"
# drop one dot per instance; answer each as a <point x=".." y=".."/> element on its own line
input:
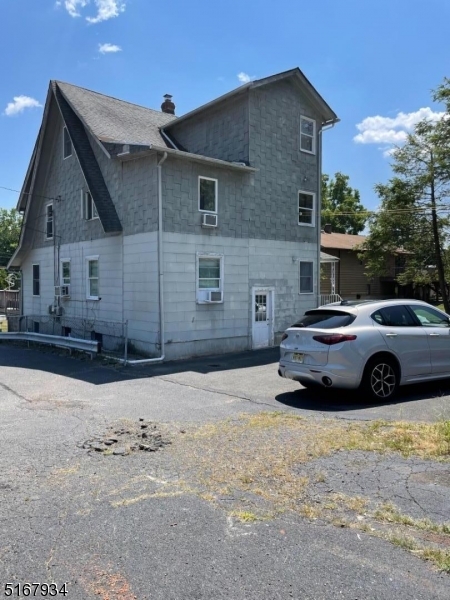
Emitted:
<point x="10" y="224"/>
<point x="259" y="464"/>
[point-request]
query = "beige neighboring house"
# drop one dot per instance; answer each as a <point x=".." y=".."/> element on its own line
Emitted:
<point x="343" y="272"/>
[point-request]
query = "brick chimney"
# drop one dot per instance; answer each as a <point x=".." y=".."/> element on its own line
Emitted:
<point x="168" y="106"/>
<point x="328" y="228"/>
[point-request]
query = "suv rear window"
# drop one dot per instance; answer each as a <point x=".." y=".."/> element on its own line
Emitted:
<point x="325" y="319"/>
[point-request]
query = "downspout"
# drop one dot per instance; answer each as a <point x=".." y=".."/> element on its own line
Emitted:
<point x="148" y="361"/>
<point x="319" y="211"/>
<point x="324" y="127"/>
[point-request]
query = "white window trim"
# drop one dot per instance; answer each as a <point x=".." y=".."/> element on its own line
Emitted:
<point x="66" y="132"/>
<point x="313" y="151"/>
<point x="217" y="195"/>
<point x="32" y="280"/>
<point x="313" y="277"/>
<point x="61" y="278"/>
<point x="49" y="237"/>
<point x="84" y="200"/>
<point x="199" y="290"/>
<point x="313" y="212"/>
<point x="88" y="287"/>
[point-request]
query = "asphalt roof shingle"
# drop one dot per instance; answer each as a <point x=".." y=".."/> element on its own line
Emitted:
<point x="113" y="120"/>
<point x="341" y="241"/>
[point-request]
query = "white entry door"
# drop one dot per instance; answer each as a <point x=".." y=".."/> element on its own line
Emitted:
<point x="262" y="316"/>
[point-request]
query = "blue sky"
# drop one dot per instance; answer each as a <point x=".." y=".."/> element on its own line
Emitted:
<point x="374" y="62"/>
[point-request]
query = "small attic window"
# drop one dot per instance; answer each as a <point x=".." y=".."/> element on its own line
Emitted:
<point x="67" y="144"/>
<point x="307" y="135"/>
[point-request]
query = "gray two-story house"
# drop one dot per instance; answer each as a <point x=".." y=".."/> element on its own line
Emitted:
<point x="202" y="232"/>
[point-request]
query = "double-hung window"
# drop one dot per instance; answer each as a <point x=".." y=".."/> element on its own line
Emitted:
<point x="36" y="280"/>
<point x="306" y="277"/>
<point x="209" y="278"/>
<point x="307" y="135"/>
<point x="88" y="208"/>
<point x="65" y="272"/>
<point x="92" y="283"/>
<point x="207" y="194"/>
<point x="67" y="144"/>
<point x="306" y="208"/>
<point x="49" y="222"/>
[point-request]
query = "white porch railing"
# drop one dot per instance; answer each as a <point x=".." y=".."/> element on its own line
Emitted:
<point x="329" y="298"/>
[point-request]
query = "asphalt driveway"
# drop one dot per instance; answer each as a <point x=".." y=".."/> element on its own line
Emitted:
<point x="132" y="526"/>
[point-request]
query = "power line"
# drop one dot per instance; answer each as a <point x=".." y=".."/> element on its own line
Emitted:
<point x="2" y="187"/>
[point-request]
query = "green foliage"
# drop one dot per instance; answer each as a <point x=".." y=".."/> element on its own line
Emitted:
<point x="411" y="221"/>
<point x="10" y="224"/>
<point x="338" y="197"/>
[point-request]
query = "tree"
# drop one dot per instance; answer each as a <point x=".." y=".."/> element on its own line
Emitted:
<point x="10" y="225"/>
<point x="339" y="198"/>
<point x="410" y="221"/>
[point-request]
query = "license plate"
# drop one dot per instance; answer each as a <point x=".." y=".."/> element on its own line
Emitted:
<point x="298" y="357"/>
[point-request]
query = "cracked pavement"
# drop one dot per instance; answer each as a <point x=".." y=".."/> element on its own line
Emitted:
<point x="113" y="527"/>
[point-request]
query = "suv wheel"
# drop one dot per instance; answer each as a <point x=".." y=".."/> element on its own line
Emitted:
<point x="381" y="379"/>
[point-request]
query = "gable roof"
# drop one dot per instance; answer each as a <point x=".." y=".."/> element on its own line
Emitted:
<point x="89" y="165"/>
<point x="341" y="241"/>
<point x="115" y="121"/>
<point x="328" y="115"/>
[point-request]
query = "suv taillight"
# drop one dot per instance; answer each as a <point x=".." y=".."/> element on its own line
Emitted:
<point x="334" y="338"/>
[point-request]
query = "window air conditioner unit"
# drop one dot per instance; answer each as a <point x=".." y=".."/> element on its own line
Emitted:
<point x="57" y="290"/>
<point x="65" y="291"/>
<point x="59" y="311"/>
<point x="214" y="297"/>
<point x="209" y="220"/>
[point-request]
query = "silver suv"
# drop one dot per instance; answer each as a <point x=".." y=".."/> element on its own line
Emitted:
<point x="375" y="345"/>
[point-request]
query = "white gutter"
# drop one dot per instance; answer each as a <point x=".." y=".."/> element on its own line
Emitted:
<point x="186" y="155"/>
<point x="149" y="361"/>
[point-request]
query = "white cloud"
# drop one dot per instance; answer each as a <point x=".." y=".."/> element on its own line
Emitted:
<point x="107" y="9"/>
<point x="388" y="130"/>
<point x="244" y="77"/>
<point x="19" y="104"/>
<point x="72" y="6"/>
<point x="108" y="48"/>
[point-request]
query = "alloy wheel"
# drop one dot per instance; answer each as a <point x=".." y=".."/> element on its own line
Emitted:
<point x="383" y="380"/>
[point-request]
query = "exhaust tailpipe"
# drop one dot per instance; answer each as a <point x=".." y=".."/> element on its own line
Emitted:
<point x="327" y="381"/>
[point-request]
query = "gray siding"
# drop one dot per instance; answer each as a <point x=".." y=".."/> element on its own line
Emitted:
<point x="283" y="169"/>
<point x="133" y="189"/>
<point x="181" y="202"/>
<point x="222" y="132"/>
<point x="63" y="179"/>
<point x="259" y="206"/>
